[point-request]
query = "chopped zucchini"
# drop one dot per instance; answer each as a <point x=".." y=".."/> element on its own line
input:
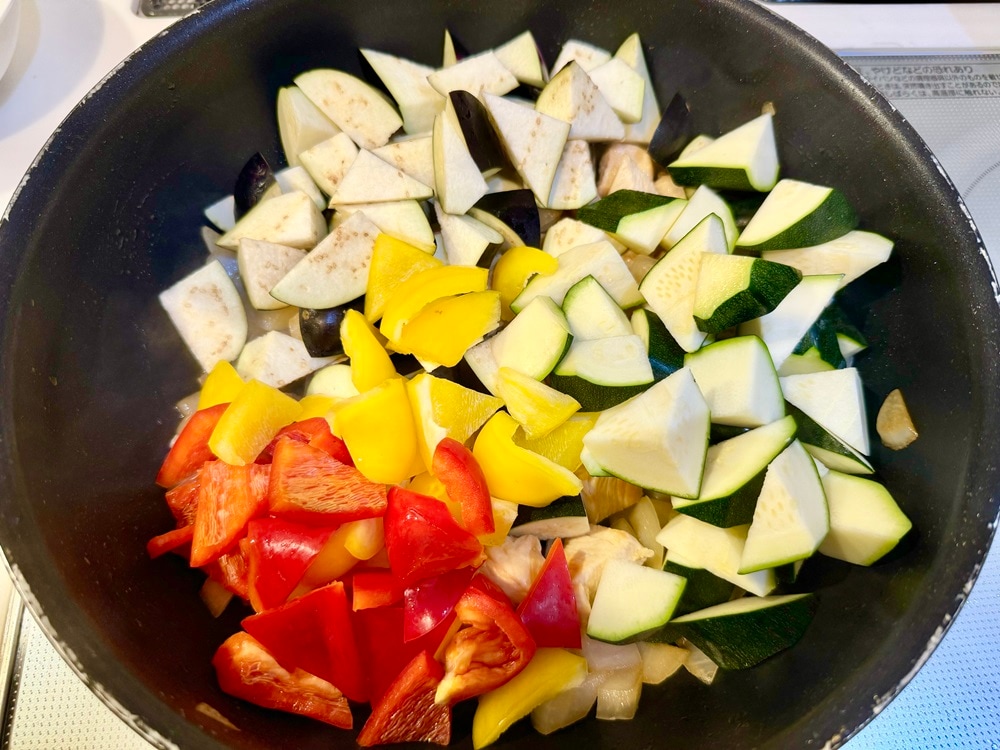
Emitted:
<point x="791" y="517"/>
<point x="734" y="474"/>
<point x="733" y="289"/>
<point x="703" y="202"/>
<point x="865" y="521"/>
<point x="665" y="354"/>
<point x="562" y="519"/>
<point x="666" y="454"/>
<point x="826" y="447"/>
<point x="669" y="286"/>
<point x="851" y="255"/>
<point x="834" y="399"/>
<point x="704" y="589"/>
<point x="738" y="380"/>
<point x="744" y="632"/>
<point x="632" y="600"/>
<point x="742" y="159"/>
<point x="592" y="313"/>
<point x="797" y="214"/>
<point x="534" y="341"/>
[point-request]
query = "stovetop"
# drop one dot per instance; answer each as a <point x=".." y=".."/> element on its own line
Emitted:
<point x="952" y="100"/>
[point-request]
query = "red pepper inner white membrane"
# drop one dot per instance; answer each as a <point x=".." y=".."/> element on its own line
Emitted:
<point x="587" y="329"/>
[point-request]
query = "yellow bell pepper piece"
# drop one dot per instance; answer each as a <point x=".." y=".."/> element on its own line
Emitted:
<point x="550" y="672"/>
<point x="315" y="405"/>
<point x="564" y="443"/>
<point x="515" y="268"/>
<point x="380" y="433"/>
<point x="516" y="474"/>
<point x="370" y="363"/>
<point x="504" y="515"/>
<point x="393" y="262"/>
<point x="447" y="327"/>
<point x="332" y="562"/>
<point x="443" y="408"/>
<point x="250" y="421"/>
<point x="220" y="387"/>
<point x="538" y="407"/>
<point x="418" y="291"/>
<point x="364" y="538"/>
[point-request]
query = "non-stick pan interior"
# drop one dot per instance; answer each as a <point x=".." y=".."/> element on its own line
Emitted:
<point x="90" y="366"/>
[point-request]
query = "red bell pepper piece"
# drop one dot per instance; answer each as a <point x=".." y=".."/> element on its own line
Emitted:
<point x="423" y="540"/>
<point x="427" y="603"/>
<point x="407" y="712"/>
<point x="228" y="497"/>
<point x="549" y="610"/>
<point x="183" y="500"/>
<point x="314" y="431"/>
<point x="310" y="486"/>
<point x="231" y="570"/>
<point x="457" y="469"/>
<point x="380" y="641"/>
<point x="190" y="450"/>
<point x="246" y="670"/>
<point x="164" y="543"/>
<point x="315" y="633"/>
<point x="490" y="649"/>
<point x="279" y="554"/>
<point x="375" y="588"/>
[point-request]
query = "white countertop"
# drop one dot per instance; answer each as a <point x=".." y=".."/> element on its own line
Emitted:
<point x="67" y="46"/>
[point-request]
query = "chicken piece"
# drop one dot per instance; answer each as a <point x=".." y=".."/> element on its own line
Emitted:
<point x="587" y="555"/>
<point x="514" y="565"/>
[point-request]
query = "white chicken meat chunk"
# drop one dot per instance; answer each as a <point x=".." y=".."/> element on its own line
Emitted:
<point x="514" y="565"/>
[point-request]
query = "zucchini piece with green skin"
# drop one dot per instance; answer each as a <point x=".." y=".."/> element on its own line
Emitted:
<point x="703" y="589"/>
<point x="633" y="600"/>
<point x="715" y="549"/>
<point x="797" y="214"/>
<point x="703" y="202"/>
<point x="826" y="447"/>
<point x="598" y="259"/>
<point x="666" y="356"/>
<point x="733" y="289"/>
<point x="602" y="373"/>
<point x="831" y="339"/>
<point x="786" y="328"/>
<point x="745" y="158"/>
<point x="791" y="518"/>
<point x="865" y="521"/>
<point x="534" y="341"/>
<point x="851" y="255"/>
<point x="744" y="632"/>
<point x="666" y="454"/>
<point x="809" y="360"/>
<point x="636" y="219"/>
<point x="592" y="313"/>
<point x="734" y="475"/>
<point x="834" y="399"/>
<point x="738" y="381"/>
<point x="669" y="286"/>
<point x="563" y="519"/>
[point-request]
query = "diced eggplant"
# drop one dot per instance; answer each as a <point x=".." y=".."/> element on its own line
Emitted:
<point x="321" y="328"/>
<point x="253" y="181"/>
<point x="673" y="132"/>
<point x="516" y="209"/>
<point x="480" y="137"/>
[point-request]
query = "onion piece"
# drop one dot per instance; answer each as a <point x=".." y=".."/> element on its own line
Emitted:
<point x="697" y="663"/>
<point x="894" y="424"/>
<point x="618" y="694"/>
<point x="566" y="708"/>
<point x="638" y="264"/>
<point x="660" y="661"/>
<point x="215" y="596"/>
<point x="604" y="496"/>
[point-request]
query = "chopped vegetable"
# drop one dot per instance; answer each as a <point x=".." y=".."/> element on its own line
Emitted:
<point x="894" y="425"/>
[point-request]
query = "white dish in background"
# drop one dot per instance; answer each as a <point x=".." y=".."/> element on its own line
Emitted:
<point x="10" y="23"/>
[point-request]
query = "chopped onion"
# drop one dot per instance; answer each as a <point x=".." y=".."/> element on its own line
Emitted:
<point x="618" y="694"/>
<point x="697" y="663"/>
<point x="604" y="496"/>
<point x="187" y="405"/>
<point x="216" y="596"/>
<point x="646" y="523"/>
<point x="660" y="661"/>
<point x="610" y="657"/>
<point x="894" y="424"/>
<point x="566" y="708"/>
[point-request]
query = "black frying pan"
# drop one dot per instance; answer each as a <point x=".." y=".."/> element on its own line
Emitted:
<point x="89" y="365"/>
